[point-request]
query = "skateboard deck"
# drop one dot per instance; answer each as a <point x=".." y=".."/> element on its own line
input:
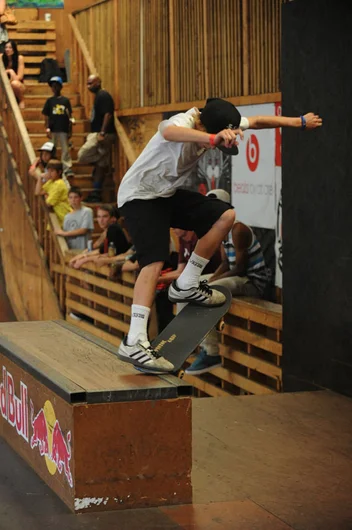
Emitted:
<point x="187" y="330"/>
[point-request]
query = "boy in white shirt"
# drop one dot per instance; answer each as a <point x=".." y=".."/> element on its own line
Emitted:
<point x="152" y="200"/>
<point x="79" y="224"/>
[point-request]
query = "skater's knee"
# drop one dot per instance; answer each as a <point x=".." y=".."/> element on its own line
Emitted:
<point x="153" y="269"/>
<point x="228" y="218"/>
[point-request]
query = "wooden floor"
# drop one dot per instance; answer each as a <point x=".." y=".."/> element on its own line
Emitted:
<point x="260" y="463"/>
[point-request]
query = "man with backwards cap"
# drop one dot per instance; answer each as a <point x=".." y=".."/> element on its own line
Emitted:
<point x="242" y="271"/>
<point x="152" y="199"/>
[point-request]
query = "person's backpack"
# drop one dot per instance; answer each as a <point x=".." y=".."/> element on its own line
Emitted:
<point x="48" y="69"/>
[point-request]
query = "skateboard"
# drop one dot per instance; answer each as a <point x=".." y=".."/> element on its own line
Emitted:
<point x="187" y="330"/>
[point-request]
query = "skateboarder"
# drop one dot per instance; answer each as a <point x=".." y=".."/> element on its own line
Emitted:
<point x="151" y="199"/>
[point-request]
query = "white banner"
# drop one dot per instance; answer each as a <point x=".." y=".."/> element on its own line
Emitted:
<point x="253" y="172"/>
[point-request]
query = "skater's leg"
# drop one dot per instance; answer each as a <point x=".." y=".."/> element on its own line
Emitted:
<point x="187" y="286"/>
<point x="148" y="225"/>
<point x="143" y="297"/>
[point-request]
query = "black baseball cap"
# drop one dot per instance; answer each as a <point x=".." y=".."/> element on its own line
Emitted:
<point x="219" y="114"/>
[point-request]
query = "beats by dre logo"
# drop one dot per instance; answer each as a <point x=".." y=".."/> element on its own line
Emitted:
<point x="252" y="152"/>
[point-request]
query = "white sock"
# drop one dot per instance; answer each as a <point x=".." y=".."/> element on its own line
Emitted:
<point x="139" y="324"/>
<point x="190" y="276"/>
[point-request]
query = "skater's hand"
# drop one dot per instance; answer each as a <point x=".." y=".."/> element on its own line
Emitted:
<point x="60" y="232"/>
<point x="48" y="133"/>
<point x="312" y="120"/>
<point x="228" y="137"/>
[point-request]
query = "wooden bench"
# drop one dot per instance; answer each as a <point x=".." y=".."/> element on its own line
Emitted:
<point x="251" y="351"/>
<point x="101" y="435"/>
<point x="36" y="40"/>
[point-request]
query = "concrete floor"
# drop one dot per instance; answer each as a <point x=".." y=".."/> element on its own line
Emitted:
<point x="259" y="463"/>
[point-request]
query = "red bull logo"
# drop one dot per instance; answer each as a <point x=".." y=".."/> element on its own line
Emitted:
<point x="47" y="434"/>
<point x="51" y="442"/>
<point x="14" y="409"/>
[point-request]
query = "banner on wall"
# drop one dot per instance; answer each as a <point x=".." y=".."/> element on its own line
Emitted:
<point x="38" y="4"/>
<point x="253" y="172"/>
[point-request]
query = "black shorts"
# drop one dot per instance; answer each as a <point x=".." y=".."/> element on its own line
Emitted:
<point x="148" y="221"/>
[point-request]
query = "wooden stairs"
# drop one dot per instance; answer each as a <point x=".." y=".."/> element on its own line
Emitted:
<point x="36" y="40"/>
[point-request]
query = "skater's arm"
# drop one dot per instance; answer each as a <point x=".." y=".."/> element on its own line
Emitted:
<point x="227" y="137"/>
<point x="271" y="122"/>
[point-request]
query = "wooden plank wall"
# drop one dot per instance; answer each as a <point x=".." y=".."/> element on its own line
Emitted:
<point x="28" y="283"/>
<point x="165" y="52"/>
<point x="97" y="26"/>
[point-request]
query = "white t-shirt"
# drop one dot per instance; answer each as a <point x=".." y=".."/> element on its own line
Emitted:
<point x="82" y="218"/>
<point x="163" y="166"/>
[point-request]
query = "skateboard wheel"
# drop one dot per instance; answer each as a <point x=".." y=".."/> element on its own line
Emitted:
<point x="220" y="325"/>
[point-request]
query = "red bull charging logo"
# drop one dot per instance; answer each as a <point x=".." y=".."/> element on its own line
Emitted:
<point x="47" y="435"/>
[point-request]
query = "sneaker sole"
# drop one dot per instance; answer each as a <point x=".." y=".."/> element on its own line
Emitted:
<point x="193" y="302"/>
<point x="203" y="370"/>
<point x="138" y="365"/>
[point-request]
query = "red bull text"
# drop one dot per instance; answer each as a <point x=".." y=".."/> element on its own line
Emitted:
<point x="51" y="443"/>
<point x="14" y="409"/>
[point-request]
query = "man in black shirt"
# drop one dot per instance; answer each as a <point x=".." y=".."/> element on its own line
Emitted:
<point x="107" y="217"/>
<point x="97" y="149"/>
<point x="58" y="111"/>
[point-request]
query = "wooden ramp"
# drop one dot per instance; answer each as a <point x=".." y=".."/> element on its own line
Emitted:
<point x="100" y="434"/>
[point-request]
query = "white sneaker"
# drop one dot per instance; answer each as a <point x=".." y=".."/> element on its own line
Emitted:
<point x="143" y="356"/>
<point x="201" y="295"/>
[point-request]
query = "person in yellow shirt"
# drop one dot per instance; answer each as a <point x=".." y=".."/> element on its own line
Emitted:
<point x="55" y="190"/>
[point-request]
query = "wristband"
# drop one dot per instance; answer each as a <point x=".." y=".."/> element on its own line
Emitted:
<point x="212" y="140"/>
<point x="303" y="123"/>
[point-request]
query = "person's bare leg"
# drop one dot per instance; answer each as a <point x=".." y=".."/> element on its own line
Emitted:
<point x="205" y="248"/>
<point x="187" y="287"/>
<point x="135" y="348"/>
<point x="210" y="242"/>
<point x="144" y="289"/>
<point x="18" y="90"/>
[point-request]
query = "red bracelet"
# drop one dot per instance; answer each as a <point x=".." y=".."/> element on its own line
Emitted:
<point x="212" y="140"/>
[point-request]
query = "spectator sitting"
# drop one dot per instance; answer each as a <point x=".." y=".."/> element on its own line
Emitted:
<point x="47" y="152"/>
<point x="14" y="66"/>
<point x="97" y="148"/>
<point x="54" y="190"/>
<point x="4" y="36"/>
<point x="78" y="224"/>
<point x="114" y="237"/>
<point x="58" y="122"/>
<point x="242" y="271"/>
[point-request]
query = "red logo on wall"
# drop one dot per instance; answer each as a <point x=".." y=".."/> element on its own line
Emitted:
<point x="14" y="409"/>
<point x="252" y="152"/>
